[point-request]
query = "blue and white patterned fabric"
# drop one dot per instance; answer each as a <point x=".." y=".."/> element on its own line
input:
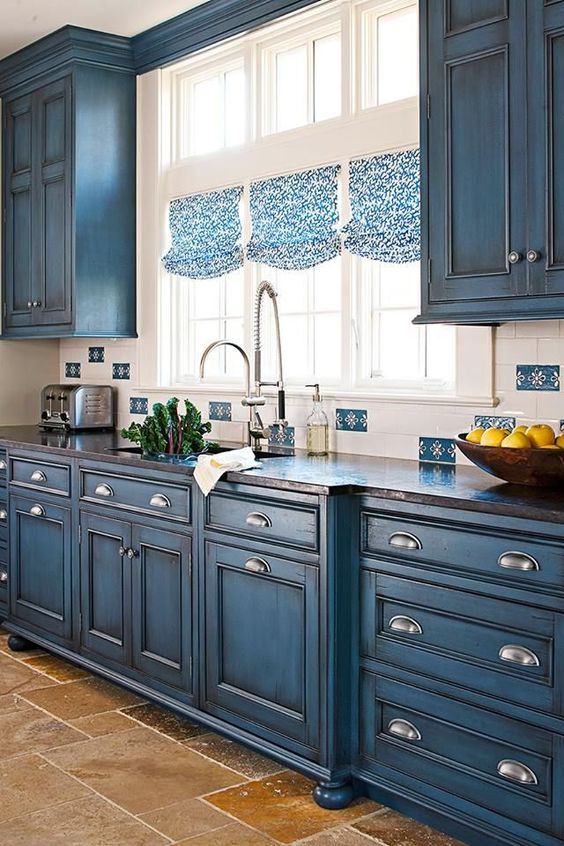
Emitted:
<point x="294" y="219"/>
<point x="385" y="208"/>
<point x="206" y="234"/>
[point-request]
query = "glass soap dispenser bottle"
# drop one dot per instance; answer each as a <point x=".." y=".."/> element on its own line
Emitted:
<point x="317" y="427"/>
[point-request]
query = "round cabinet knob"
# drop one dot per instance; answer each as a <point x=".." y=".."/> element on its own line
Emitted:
<point x="533" y="255"/>
<point x="514" y="257"/>
<point x="29" y="304"/>
<point x="36" y="303"/>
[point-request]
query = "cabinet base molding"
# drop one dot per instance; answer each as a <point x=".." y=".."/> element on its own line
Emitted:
<point x="17" y="643"/>
<point x="334" y="795"/>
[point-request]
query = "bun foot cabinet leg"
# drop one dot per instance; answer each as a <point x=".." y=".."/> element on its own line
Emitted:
<point x="17" y="643"/>
<point x="334" y="795"/>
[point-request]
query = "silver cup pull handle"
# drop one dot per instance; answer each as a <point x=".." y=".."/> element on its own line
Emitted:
<point x="103" y="490"/>
<point x="3" y="464"/>
<point x="258" y="520"/>
<point x="3" y="575"/>
<point x="37" y="511"/>
<point x="405" y="540"/>
<point x="3" y="515"/>
<point x="515" y="654"/>
<point x="257" y="565"/>
<point x="404" y="729"/>
<point x="406" y="625"/>
<point x="517" y="561"/>
<point x="159" y="501"/>
<point x="516" y="771"/>
<point x="38" y="476"/>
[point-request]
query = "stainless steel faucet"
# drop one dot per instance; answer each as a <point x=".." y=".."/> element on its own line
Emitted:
<point x="256" y="428"/>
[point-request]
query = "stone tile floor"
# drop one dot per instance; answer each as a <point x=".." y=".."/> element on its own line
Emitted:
<point x="86" y="763"/>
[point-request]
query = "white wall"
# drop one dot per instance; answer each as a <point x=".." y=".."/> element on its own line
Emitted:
<point x="25" y="368"/>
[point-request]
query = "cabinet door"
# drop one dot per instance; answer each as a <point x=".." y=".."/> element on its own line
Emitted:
<point x="18" y="228"/>
<point x="40" y="565"/>
<point x="474" y="154"/>
<point x="162" y="606"/>
<point x="105" y="586"/>
<point x="262" y="652"/>
<point x="52" y="205"/>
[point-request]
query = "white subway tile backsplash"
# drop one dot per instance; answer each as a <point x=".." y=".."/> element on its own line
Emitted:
<point x="537" y="329"/>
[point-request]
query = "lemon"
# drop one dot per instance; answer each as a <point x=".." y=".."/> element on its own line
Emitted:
<point x="516" y="440"/>
<point x="519" y="429"/>
<point x="541" y="434"/>
<point x="475" y="435"/>
<point x="560" y="441"/>
<point x="493" y="437"/>
<point x="549" y="446"/>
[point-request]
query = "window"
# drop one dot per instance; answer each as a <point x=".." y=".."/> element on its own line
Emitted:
<point x="390" y="57"/>
<point x="213" y="110"/>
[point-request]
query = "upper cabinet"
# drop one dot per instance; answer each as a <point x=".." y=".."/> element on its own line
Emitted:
<point x="492" y="139"/>
<point x="69" y="187"/>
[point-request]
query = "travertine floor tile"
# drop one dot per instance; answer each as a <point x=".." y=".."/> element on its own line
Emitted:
<point x="109" y="722"/>
<point x="231" y="835"/>
<point x="186" y="819"/>
<point x="30" y="784"/>
<point x="391" y="829"/>
<point x="18" y="678"/>
<point x="282" y="807"/>
<point x="11" y="702"/>
<point x="234" y="756"/>
<point x="33" y="731"/>
<point x="140" y="770"/>
<point x="56" y="668"/>
<point x="85" y="822"/>
<point x="342" y="836"/>
<point x="82" y="698"/>
<point x="166" y="722"/>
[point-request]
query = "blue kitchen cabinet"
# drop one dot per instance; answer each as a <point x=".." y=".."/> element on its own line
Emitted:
<point x="40" y="566"/>
<point x="492" y="137"/>
<point x="69" y="188"/>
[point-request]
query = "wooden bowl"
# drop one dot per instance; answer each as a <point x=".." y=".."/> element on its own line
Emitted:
<point x="539" y="467"/>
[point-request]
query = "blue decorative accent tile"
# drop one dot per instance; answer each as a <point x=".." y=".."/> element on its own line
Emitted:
<point x="283" y="436"/>
<point x="351" y="419"/>
<point x="443" y="475"/>
<point x="72" y="370"/>
<point x="219" y="411"/>
<point x="537" y="377"/>
<point x="96" y="355"/>
<point x="121" y="371"/>
<point x="493" y="422"/>
<point x="138" y="405"/>
<point x="438" y="450"/>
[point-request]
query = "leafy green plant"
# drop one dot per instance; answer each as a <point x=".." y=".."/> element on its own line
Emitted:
<point x="169" y="432"/>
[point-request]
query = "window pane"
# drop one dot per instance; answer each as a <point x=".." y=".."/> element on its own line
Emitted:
<point x="327" y="286"/>
<point x="234" y="294"/>
<point x="292" y="288"/>
<point x="441" y="353"/>
<point x="206" y="331"/>
<point x="328" y="347"/>
<point x="234" y="331"/>
<point x="397" y="65"/>
<point x="207" y="123"/>
<point x="205" y="296"/>
<point x="397" y="346"/>
<point x="235" y="111"/>
<point x="295" y="354"/>
<point x="399" y="285"/>
<point x="291" y="88"/>
<point x="327" y="77"/>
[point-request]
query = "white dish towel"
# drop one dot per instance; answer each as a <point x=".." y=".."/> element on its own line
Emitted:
<point x="210" y="468"/>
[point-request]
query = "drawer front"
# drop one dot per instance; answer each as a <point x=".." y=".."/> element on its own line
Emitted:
<point x="500" y="648"/>
<point x="150" y="496"/>
<point x="289" y="522"/>
<point x="47" y="476"/>
<point x="500" y="764"/>
<point x="501" y="556"/>
<point x="3" y="466"/>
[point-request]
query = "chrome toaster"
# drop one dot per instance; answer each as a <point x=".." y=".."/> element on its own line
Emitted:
<point x="77" y="407"/>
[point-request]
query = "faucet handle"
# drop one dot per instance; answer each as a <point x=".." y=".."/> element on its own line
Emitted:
<point x="253" y="400"/>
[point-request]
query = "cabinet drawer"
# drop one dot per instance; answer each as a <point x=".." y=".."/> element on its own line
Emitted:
<point x="150" y="496"/>
<point x="291" y="521"/>
<point x="40" y="475"/>
<point x="476" y="549"/>
<point x="3" y="466"/>
<point x="496" y="647"/>
<point x="500" y="764"/>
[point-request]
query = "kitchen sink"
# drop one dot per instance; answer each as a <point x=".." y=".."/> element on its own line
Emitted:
<point x="260" y="453"/>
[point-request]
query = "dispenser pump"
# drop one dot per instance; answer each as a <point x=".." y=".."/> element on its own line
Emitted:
<point x="317" y="426"/>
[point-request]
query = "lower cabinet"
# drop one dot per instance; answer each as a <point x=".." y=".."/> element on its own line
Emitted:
<point x="137" y="598"/>
<point x="40" y="582"/>
<point x="262" y="645"/>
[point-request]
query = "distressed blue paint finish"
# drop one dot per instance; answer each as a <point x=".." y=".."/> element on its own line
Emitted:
<point x="491" y="421"/>
<point x="72" y="369"/>
<point x="351" y="419"/>
<point x="138" y="405"/>
<point x="121" y="371"/>
<point x="537" y="377"/>
<point x="440" y="450"/>
<point x="96" y="355"/>
<point x="282" y="436"/>
<point x="219" y="410"/>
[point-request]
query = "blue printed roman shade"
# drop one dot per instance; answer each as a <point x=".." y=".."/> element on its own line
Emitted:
<point x="385" y="208"/>
<point x="294" y="219"/>
<point x="206" y="234"/>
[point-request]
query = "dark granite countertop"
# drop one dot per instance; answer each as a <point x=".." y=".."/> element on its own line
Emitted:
<point x="400" y="480"/>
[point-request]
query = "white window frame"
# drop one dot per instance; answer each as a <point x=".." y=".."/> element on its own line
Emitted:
<point x="165" y="175"/>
